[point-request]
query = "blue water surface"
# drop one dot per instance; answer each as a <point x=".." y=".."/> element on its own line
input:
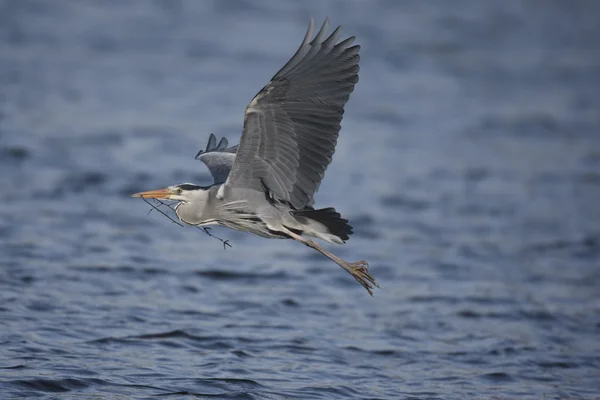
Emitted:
<point x="468" y="164"/>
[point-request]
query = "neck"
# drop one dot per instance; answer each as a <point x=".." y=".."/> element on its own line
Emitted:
<point x="193" y="211"/>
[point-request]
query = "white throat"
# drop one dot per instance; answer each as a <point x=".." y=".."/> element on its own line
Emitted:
<point x="193" y="209"/>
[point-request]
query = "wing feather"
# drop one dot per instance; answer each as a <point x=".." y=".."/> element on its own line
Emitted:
<point x="291" y="126"/>
<point x="218" y="158"/>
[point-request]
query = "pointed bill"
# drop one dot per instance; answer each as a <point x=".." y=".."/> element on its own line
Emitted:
<point x="154" y="194"/>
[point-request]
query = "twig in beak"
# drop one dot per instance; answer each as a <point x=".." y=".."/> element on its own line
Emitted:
<point x="206" y="229"/>
<point x="159" y="210"/>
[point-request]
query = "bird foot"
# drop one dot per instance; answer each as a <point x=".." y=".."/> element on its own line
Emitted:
<point x="359" y="270"/>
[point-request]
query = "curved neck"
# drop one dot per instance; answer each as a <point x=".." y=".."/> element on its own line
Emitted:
<point x="193" y="210"/>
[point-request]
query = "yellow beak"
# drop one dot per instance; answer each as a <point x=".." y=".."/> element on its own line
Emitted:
<point x="154" y="194"/>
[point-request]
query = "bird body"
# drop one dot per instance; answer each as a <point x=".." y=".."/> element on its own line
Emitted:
<point x="251" y="211"/>
<point x="266" y="184"/>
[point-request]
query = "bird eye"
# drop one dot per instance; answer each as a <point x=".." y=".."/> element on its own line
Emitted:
<point x="179" y="191"/>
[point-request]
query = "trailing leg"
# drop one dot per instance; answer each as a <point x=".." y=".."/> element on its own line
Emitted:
<point x="359" y="270"/>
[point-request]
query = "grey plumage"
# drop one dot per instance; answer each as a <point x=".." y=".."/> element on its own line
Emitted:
<point x="291" y="126"/>
<point x="218" y="158"/>
<point x="266" y="185"/>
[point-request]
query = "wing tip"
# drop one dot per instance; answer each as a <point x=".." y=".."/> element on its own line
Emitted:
<point x="223" y="143"/>
<point x="212" y="145"/>
<point x="322" y="32"/>
<point x="309" y="31"/>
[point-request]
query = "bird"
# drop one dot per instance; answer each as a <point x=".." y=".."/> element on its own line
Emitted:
<point x="265" y="185"/>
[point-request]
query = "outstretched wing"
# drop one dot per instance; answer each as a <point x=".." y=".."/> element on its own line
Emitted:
<point x="291" y="126"/>
<point x="218" y="158"/>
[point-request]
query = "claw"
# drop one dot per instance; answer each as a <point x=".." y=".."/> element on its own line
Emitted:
<point x="360" y="272"/>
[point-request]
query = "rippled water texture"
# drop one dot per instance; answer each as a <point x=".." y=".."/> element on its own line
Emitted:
<point x="468" y="163"/>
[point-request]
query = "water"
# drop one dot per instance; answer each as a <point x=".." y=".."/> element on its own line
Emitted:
<point x="468" y="163"/>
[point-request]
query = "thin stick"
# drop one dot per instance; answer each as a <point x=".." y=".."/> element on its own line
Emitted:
<point x="170" y="206"/>
<point x="160" y="211"/>
<point x="206" y="230"/>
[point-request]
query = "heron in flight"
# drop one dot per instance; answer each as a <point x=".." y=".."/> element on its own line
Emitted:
<point x="265" y="185"/>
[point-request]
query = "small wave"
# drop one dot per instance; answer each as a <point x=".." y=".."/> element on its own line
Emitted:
<point x="56" y="386"/>
<point x="225" y="395"/>
<point x="290" y="303"/>
<point x="176" y="339"/>
<point x="404" y="202"/>
<point x="18" y="366"/>
<point x="241" y="354"/>
<point x="557" y="365"/>
<point x="151" y="336"/>
<point x="122" y="269"/>
<point x="497" y="377"/>
<point x="14" y="154"/>
<point x="340" y="392"/>
<point x="477" y="315"/>
<point x="225" y="275"/>
<point x="537" y="315"/>
<point x="586" y="247"/>
<point x="381" y="352"/>
<point x="434" y="299"/>
<point x="243" y="383"/>
<point x="222" y="388"/>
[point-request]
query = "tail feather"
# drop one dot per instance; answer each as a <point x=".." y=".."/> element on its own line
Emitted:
<point x="331" y="219"/>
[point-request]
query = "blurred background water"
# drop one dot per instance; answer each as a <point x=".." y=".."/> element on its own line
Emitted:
<point x="468" y="163"/>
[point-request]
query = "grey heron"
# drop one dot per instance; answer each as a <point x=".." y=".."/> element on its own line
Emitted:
<point x="266" y="184"/>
